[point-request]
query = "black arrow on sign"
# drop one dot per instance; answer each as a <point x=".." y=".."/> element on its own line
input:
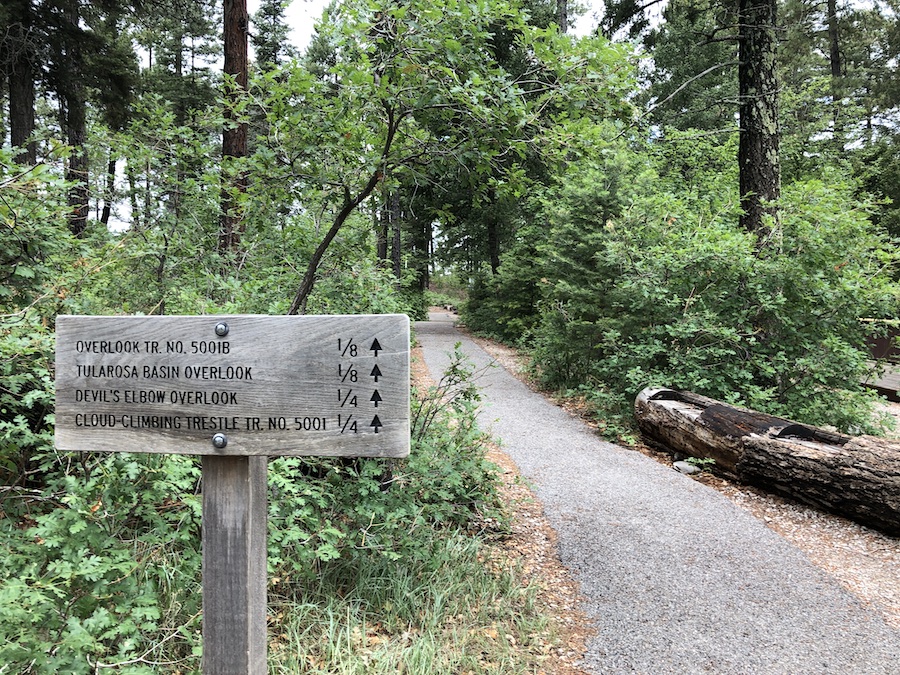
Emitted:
<point x="376" y="346"/>
<point x="376" y="423"/>
<point x="376" y="397"/>
<point x="376" y="373"/>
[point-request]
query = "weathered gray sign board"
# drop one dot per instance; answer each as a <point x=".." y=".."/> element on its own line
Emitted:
<point x="234" y="385"/>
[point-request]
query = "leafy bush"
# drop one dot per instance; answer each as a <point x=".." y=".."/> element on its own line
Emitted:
<point x="504" y="305"/>
<point x="40" y="266"/>
<point x="673" y="293"/>
<point x="32" y="203"/>
<point x="595" y="189"/>
<point x="445" y="290"/>
<point x="102" y="565"/>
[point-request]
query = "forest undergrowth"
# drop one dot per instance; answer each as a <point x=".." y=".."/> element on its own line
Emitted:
<point x="375" y="566"/>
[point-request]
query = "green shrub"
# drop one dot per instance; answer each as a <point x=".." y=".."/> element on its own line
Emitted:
<point x="674" y="294"/>
<point x="504" y="305"/>
<point x="102" y="565"/>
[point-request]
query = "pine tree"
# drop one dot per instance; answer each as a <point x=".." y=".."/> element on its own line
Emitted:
<point x="182" y="42"/>
<point x="758" y="152"/>
<point x="19" y="57"/>
<point x="270" y="34"/>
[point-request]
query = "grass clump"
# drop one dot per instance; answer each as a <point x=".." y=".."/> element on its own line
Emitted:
<point x="443" y="612"/>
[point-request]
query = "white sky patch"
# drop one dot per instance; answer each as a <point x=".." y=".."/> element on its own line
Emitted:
<point x="300" y="16"/>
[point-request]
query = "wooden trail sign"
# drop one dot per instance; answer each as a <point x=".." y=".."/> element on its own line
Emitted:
<point x="235" y="389"/>
<point x="234" y="385"/>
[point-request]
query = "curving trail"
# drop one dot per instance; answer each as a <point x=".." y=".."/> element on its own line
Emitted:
<point x="676" y="578"/>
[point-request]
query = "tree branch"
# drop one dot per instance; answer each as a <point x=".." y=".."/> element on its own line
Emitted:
<point x="688" y="82"/>
<point x="298" y="306"/>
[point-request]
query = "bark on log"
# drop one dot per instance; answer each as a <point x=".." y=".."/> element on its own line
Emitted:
<point x="703" y="427"/>
<point x="855" y="477"/>
<point x="859" y="480"/>
<point x="671" y="421"/>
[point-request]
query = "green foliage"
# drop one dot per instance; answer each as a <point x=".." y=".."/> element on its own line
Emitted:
<point x="362" y="286"/>
<point x="32" y="205"/>
<point x="878" y="166"/>
<point x="270" y="34"/>
<point x="101" y="566"/>
<point x="26" y="396"/>
<point x="504" y="305"/>
<point x="672" y="293"/>
<point x="40" y="269"/>
<point x="446" y="289"/>
<point x="702" y="463"/>
<point x="604" y="177"/>
<point x="695" y="57"/>
<point x="181" y="38"/>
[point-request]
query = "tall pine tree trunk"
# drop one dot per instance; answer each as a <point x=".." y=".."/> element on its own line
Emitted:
<point x="380" y="222"/>
<point x="75" y="119"/>
<point x="492" y="223"/>
<point x="758" y="154"/>
<point x="396" y="239"/>
<point x="421" y="251"/>
<point x="20" y="73"/>
<point x="17" y="57"/>
<point x="109" y="196"/>
<point x="234" y="138"/>
<point x="834" y="55"/>
<point x="381" y="233"/>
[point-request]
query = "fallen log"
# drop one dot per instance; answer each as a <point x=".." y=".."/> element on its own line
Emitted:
<point x="699" y="426"/>
<point x="859" y="480"/>
<point x="857" y="477"/>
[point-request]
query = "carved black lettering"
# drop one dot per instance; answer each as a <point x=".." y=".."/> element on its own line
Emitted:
<point x="222" y="423"/>
<point x="95" y="420"/>
<point x="279" y="423"/>
<point x="209" y="347"/>
<point x="151" y="421"/>
<point x="161" y="372"/>
<point x="101" y="370"/>
<point x="309" y="424"/>
<point x="108" y="346"/>
<point x="91" y="396"/>
<point x="218" y="373"/>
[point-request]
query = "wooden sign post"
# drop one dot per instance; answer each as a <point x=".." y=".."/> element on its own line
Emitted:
<point x="237" y="390"/>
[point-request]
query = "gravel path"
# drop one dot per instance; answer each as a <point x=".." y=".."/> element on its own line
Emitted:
<point x="676" y="578"/>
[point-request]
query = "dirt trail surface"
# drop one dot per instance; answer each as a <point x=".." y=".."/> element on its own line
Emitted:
<point x="675" y="577"/>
